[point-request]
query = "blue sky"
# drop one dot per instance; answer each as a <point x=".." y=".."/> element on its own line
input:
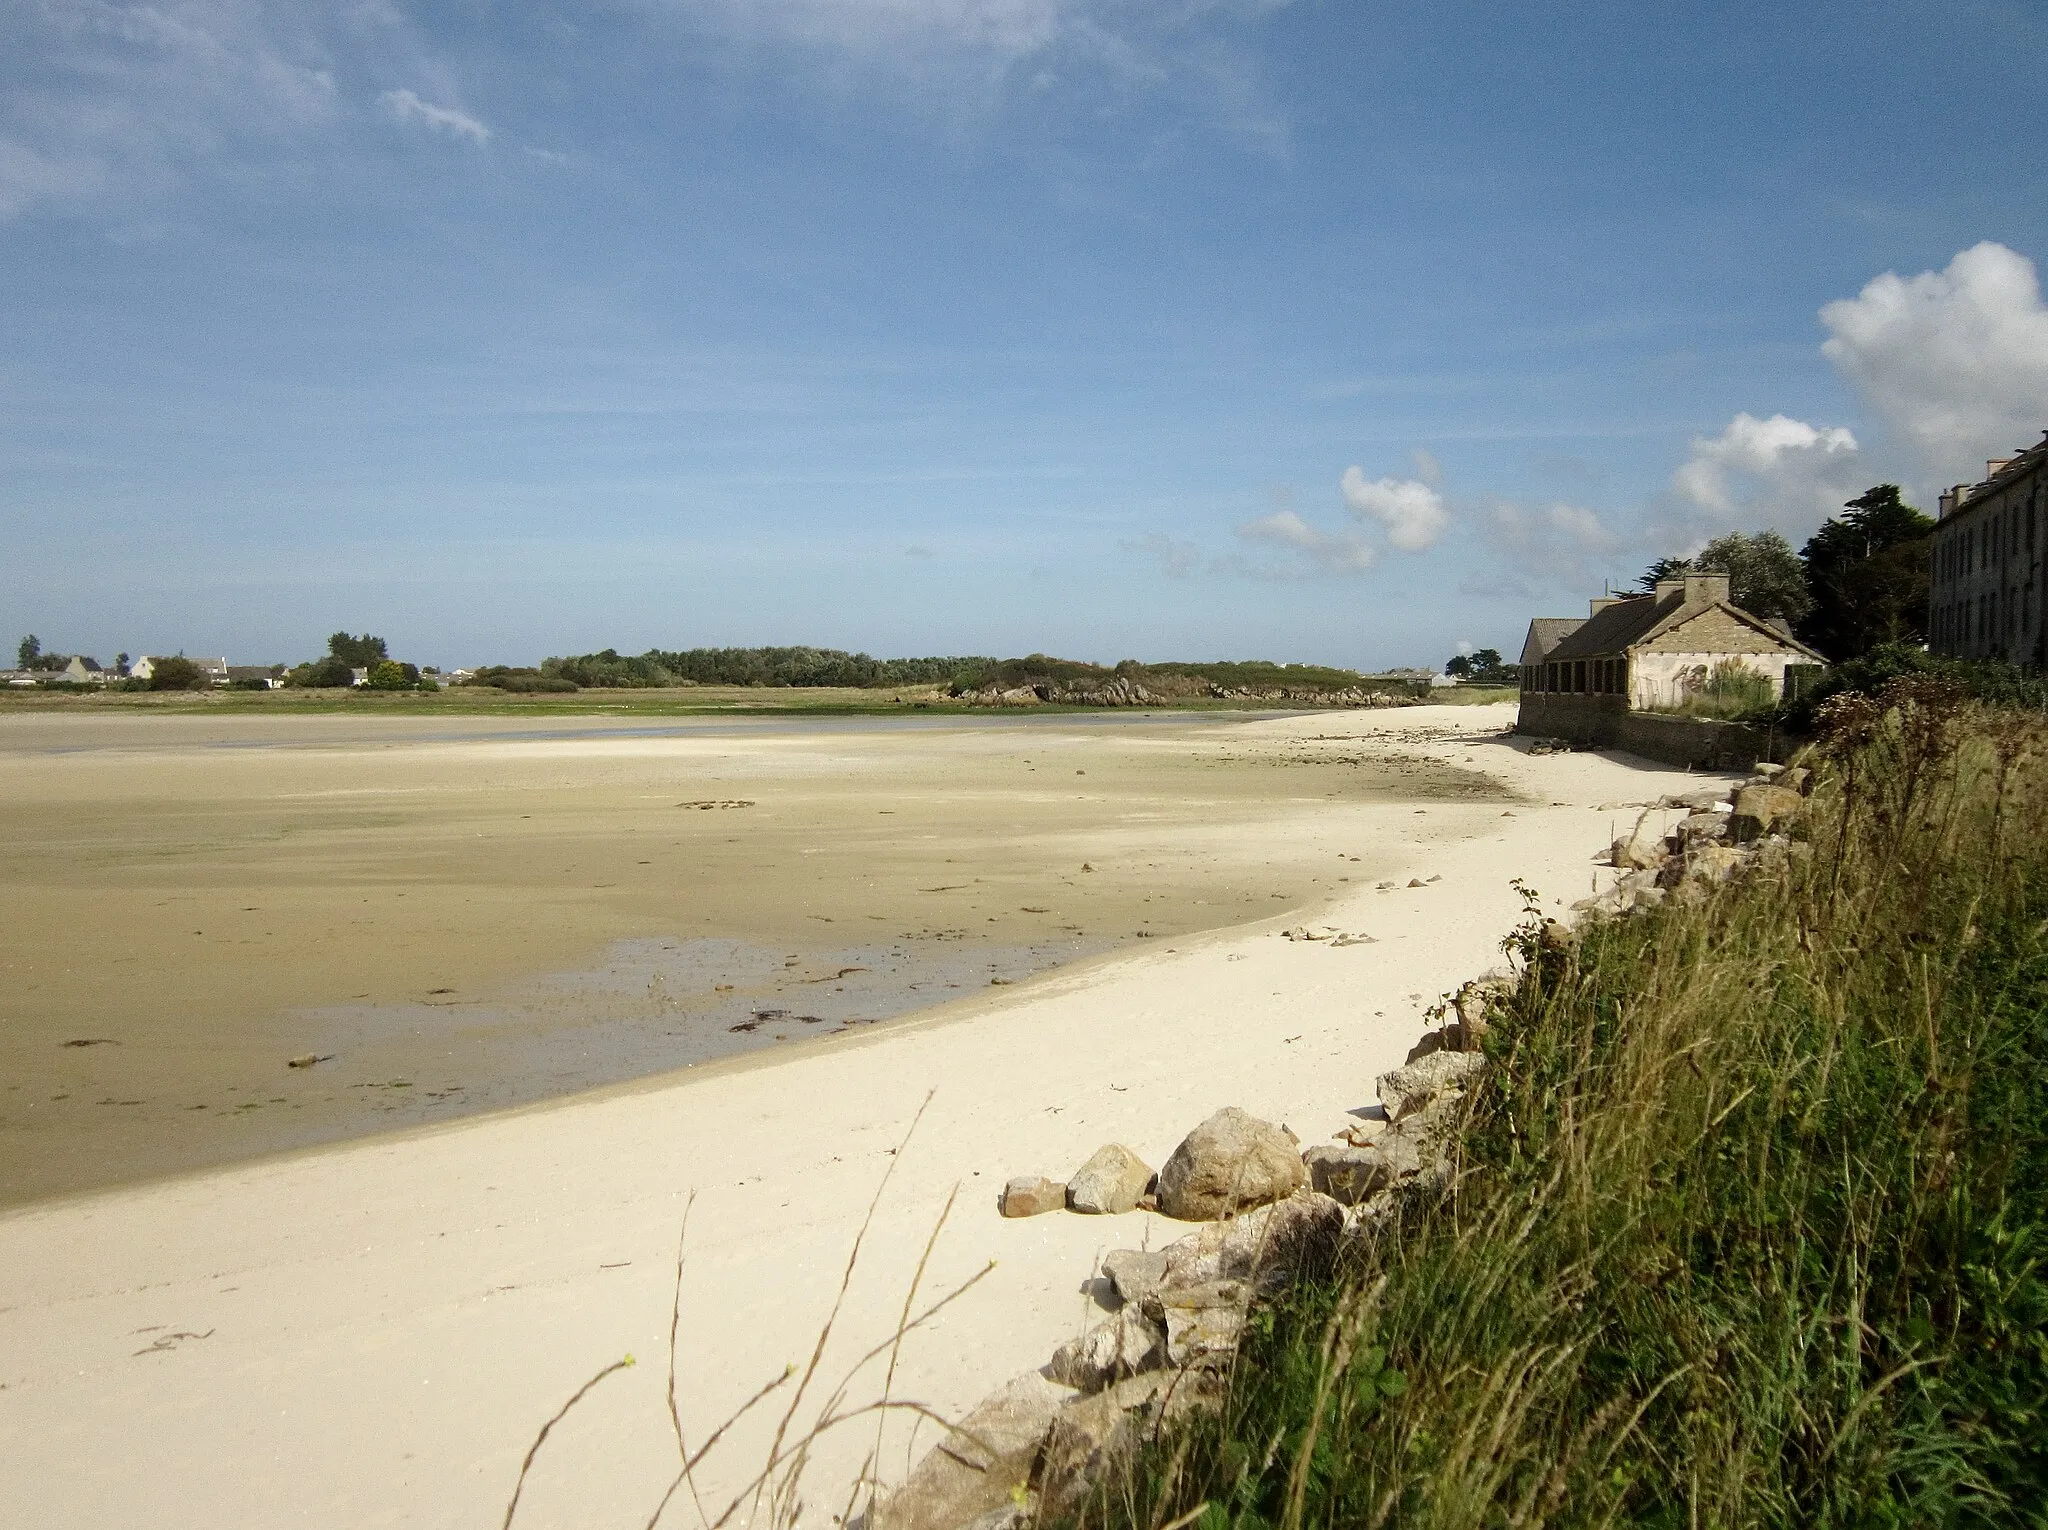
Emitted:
<point x="1323" y="330"/>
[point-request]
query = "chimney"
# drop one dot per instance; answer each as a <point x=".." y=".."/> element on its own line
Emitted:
<point x="1600" y="603"/>
<point x="1670" y="589"/>
<point x="1704" y="589"/>
<point x="1998" y="465"/>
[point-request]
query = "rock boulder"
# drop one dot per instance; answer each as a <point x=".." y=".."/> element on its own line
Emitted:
<point x="1407" y="1089"/>
<point x="1760" y="809"/>
<point x="1230" y="1163"/>
<point x="1109" y="1182"/>
<point x="985" y="1460"/>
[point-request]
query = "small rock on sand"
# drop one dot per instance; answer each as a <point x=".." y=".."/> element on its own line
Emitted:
<point x="1110" y="1182"/>
<point x="1031" y="1195"/>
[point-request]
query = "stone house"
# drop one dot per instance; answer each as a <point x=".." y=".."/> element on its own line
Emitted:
<point x="1647" y="653"/>
<point x="1988" y="567"/>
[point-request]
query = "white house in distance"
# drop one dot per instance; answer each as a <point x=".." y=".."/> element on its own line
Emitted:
<point x="215" y="670"/>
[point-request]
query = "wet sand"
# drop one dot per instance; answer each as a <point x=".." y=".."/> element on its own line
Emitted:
<point x="459" y="914"/>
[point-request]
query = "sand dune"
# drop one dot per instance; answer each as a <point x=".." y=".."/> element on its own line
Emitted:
<point x="370" y="1333"/>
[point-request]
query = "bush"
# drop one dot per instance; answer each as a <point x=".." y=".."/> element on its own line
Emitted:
<point x="176" y="674"/>
<point x="326" y="673"/>
<point x="390" y="675"/>
<point x="520" y="681"/>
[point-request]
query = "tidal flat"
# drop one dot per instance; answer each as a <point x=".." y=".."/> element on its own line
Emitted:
<point x="462" y="913"/>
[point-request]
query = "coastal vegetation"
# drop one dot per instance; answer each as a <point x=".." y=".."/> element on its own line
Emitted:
<point x="1750" y="1222"/>
<point x="830" y="667"/>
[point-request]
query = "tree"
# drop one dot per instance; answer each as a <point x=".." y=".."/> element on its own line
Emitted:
<point x="390" y="675"/>
<point x="176" y="674"/>
<point x="27" y="651"/>
<point x="329" y="671"/>
<point x="1483" y="667"/>
<point x="1867" y="573"/>
<point x="1765" y="576"/>
<point x="1663" y="569"/>
<point x="357" y="652"/>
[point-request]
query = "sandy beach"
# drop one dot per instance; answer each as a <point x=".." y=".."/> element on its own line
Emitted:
<point x="463" y="914"/>
<point x="370" y="1332"/>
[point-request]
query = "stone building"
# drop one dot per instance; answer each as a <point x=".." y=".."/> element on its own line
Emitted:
<point x="1648" y="653"/>
<point x="1988" y="568"/>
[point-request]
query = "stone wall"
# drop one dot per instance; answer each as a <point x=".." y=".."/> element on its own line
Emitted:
<point x="1604" y="722"/>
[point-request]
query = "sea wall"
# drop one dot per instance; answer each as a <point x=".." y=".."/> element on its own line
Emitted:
<point x="1605" y="722"/>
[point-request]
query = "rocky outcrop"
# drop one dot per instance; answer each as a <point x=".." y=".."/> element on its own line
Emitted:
<point x="1028" y="1452"/>
<point x="1409" y="1088"/>
<point x="1231" y="1162"/>
<point x="982" y="1465"/>
<point x="1350" y="696"/>
<point x="1723" y="834"/>
<point x="1119" y="692"/>
<point x="1110" y="1182"/>
<point x="1128" y="1343"/>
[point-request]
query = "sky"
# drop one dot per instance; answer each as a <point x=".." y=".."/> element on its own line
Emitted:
<point x="1329" y="331"/>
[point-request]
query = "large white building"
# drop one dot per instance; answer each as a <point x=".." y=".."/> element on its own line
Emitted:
<point x="1988" y="571"/>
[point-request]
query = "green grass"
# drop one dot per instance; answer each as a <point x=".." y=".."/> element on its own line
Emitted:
<point x="1751" y="1222"/>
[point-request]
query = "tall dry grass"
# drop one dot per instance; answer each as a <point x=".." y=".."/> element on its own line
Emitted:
<point x="1751" y="1218"/>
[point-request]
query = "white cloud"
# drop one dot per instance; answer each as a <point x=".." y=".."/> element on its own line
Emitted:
<point x="1010" y="28"/>
<point x="1956" y="361"/>
<point x="971" y="53"/>
<point x="406" y="106"/>
<point x="108" y="105"/>
<point x="1328" y="552"/>
<point x="1427" y="468"/>
<point x="1778" y="472"/>
<point x="1559" y="543"/>
<point x="1412" y="512"/>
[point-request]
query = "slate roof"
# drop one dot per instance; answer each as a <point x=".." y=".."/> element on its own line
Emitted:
<point x="1619" y="627"/>
<point x="1638" y="619"/>
<point x="1545" y="633"/>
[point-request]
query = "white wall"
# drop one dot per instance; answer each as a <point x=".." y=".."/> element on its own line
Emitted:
<point x="1656" y="678"/>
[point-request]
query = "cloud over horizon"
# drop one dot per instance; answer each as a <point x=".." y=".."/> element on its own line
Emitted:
<point x="1330" y="552"/>
<point x="1955" y="361"/>
<point x="1412" y="512"/>
<point x="1778" y="472"/>
<point x="406" y="106"/>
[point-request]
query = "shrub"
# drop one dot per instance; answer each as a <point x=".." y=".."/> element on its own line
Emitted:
<point x="176" y="674"/>
<point x="326" y="673"/>
<point x="390" y="675"/>
<point x="520" y="681"/>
